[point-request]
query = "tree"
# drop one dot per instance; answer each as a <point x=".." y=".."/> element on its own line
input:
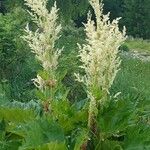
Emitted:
<point x="113" y="6"/>
<point x="136" y="17"/>
<point x="71" y="9"/>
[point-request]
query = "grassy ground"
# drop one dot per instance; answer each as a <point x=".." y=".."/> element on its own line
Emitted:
<point x="133" y="79"/>
<point x="138" y="45"/>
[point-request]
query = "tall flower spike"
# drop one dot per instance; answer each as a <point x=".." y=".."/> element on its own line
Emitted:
<point x="42" y="41"/>
<point x="100" y="54"/>
<point x="99" y="57"/>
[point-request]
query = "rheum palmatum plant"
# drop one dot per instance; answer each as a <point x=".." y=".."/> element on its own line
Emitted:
<point x="42" y="42"/>
<point x="99" y="56"/>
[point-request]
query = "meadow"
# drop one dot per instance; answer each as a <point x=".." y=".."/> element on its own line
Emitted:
<point x="65" y="87"/>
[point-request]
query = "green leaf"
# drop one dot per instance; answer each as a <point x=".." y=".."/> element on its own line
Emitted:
<point x="56" y="146"/>
<point x="16" y="115"/>
<point x="10" y="145"/>
<point x="2" y="129"/>
<point x="67" y="115"/>
<point x="2" y="125"/>
<point x="109" y="145"/>
<point x="117" y="117"/>
<point x="42" y="132"/>
<point x="81" y="139"/>
<point x="137" y="137"/>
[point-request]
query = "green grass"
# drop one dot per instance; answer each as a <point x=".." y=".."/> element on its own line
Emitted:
<point x="138" y="45"/>
<point x="133" y="79"/>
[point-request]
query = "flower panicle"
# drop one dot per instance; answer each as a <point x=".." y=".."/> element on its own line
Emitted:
<point x="42" y="40"/>
<point x="99" y="56"/>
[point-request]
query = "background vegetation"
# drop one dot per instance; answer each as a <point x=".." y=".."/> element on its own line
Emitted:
<point x="18" y="66"/>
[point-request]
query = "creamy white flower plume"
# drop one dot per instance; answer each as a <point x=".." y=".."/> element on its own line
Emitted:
<point x="100" y="53"/>
<point x="42" y="41"/>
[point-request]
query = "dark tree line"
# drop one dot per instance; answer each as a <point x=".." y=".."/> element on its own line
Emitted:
<point x="135" y="13"/>
<point x="136" y="17"/>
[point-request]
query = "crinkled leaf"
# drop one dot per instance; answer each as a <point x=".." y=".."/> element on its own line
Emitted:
<point x="41" y="132"/>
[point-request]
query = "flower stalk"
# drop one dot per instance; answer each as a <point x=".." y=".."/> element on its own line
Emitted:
<point x="99" y="57"/>
<point x="42" y="43"/>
